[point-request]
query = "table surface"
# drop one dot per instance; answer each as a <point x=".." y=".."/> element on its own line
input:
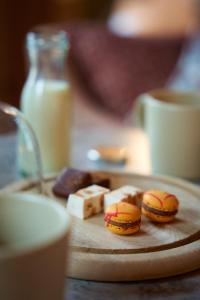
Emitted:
<point x="91" y="128"/>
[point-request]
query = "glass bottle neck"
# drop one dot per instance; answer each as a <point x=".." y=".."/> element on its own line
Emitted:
<point x="48" y="63"/>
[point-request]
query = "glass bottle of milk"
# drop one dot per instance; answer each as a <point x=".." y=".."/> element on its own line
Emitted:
<point x="46" y="101"/>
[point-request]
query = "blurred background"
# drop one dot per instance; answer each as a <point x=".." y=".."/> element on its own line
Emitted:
<point x="140" y="41"/>
<point x="18" y="17"/>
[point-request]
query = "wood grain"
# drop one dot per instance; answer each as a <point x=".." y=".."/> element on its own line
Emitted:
<point x="158" y="250"/>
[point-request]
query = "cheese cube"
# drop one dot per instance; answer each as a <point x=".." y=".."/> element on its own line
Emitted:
<point x="127" y="193"/>
<point x="87" y="202"/>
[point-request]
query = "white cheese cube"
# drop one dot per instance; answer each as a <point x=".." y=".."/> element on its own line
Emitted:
<point x="86" y="202"/>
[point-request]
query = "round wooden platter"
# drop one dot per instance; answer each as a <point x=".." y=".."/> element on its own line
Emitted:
<point x="158" y="250"/>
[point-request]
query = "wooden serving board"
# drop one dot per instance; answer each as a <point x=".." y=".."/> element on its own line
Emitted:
<point x="158" y="250"/>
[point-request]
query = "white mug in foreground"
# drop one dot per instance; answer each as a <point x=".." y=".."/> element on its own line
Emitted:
<point x="172" y="123"/>
<point x="33" y="247"/>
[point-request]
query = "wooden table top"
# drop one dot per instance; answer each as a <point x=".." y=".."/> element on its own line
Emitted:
<point x="97" y="128"/>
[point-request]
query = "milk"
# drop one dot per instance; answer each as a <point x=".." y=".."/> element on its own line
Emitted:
<point x="47" y="106"/>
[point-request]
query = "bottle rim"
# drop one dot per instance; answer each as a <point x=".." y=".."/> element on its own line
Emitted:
<point x="47" y="39"/>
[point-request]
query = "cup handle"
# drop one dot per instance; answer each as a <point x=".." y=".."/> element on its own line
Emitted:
<point x="138" y="111"/>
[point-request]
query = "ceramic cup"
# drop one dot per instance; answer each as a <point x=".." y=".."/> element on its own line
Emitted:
<point x="171" y="121"/>
<point x="33" y="247"/>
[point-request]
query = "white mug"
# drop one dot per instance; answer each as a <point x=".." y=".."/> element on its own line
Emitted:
<point x="33" y="247"/>
<point x="171" y="121"/>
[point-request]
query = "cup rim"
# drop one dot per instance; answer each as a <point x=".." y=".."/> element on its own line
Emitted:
<point x="21" y="249"/>
<point x="177" y="94"/>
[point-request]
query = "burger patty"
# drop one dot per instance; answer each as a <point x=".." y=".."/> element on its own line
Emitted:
<point x="159" y="212"/>
<point x="125" y="225"/>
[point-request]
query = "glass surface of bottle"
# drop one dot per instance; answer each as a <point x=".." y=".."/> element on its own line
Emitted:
<point x="46" y="100"/>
